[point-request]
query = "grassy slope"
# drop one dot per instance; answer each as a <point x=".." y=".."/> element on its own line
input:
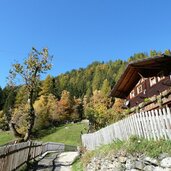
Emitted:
<point x="68" y="134"/>
<point x="5" y="137"/>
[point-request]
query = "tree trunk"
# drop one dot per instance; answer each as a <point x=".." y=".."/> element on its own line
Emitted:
<point x="14" y="130"/>
<point x="31" y="117"/>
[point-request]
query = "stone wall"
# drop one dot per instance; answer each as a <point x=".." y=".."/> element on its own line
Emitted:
<point x="127" y="162"/>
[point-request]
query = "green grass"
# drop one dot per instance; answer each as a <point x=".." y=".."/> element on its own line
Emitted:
<point x="67" y="134"/>
<point x="5" y="137"/>
<point x="77" y="166"/>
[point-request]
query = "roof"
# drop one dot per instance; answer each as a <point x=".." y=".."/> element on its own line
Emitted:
<point x="141" y="68"/>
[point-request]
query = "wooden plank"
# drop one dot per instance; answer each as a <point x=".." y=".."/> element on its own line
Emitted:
<point x="143" y="125"/>
<point x="133" y="125"/>
<point x="152" y="126"/>
<point x="157" y="132"/>
<point x="122" y="126"/>
<point x="139" y="121"/>
<point x="169" y="116"/>
<point x="117" y="131"/>
<point x="128" y="128"/>
<point x="168" y="131"/>
<point x="148" y="128"/>
<point x="163" y="128"/>
<point x="136" y="125"/>
<point x="159" y="124"/>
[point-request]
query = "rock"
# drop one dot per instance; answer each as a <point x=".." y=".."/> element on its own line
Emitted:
<point x="166" y="162"/>
<point x="161" y="169"/>
<point x="130" y="164"/>
<point x="122" y="159"/>
<point x="151" y="161"/>
<point x="149" y="168"/>
<point x="163" y="155"/>
<point x="134" y="162"/>
<point x="139" y="165"/>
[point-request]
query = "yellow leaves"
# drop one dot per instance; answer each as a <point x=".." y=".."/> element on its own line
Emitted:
<point x="118" y="105"/>
<point x="2" y="119"/>
<point x="20" y="116"/>
<point x="44" y="108"/>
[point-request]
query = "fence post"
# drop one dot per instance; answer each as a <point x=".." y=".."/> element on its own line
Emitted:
<point x="29" y="155"/>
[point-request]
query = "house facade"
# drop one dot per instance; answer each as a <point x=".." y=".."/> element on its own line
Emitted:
<point x="145" y="84"/>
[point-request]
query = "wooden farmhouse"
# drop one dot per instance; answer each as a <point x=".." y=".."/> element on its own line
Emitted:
<point x="145" y="84"/>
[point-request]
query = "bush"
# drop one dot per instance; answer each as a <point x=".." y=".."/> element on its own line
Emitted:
<point x="3" y="123"/>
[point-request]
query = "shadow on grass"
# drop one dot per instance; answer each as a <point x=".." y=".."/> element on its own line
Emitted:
<point x="37" y="134"/>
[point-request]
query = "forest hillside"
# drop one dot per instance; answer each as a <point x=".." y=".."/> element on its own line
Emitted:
<point x="69" y="97"/>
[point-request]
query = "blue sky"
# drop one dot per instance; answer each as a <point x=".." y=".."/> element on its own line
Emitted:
<point x="78" y="32"/>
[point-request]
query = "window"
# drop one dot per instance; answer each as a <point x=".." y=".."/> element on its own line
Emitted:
<point x="152" y="81"/>
<point x="132" y="94"/>
<point x="139" y="89"/>
<point x="160" y="76"/>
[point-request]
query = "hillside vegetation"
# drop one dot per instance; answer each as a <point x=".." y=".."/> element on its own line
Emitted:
<point x="69" y="97"/>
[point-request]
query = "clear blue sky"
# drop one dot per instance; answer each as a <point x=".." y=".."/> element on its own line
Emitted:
<point x="78" y="32"/>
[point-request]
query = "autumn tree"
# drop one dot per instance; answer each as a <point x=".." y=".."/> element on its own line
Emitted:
<point x="167" y="52"/>
<point x="64" y="107"/>
<point x="106" y="87"/>
<point x="37" y="63"/>
<point x="96" y="110"/>
<point x="154" y="53"/>
<point x="21" y="96"/>
<point x="47" y="86"/>
<point x="45" y="109"/>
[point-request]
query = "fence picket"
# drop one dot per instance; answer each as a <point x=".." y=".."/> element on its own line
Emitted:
<point x="136" y="125"/>
<point x="155" y="125"/>
<point x="163" y="128"/>
<point x="159" y="124"/>
<point x="132" y="125"/>
<point x="168" y="131"/>
<point x="169" y="116"/>
<point x="152" y="126"/>
<point x="143" y="124"/>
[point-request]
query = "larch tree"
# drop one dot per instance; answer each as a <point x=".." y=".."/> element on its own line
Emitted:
<point x="47" y="86"/>
<point x="37" y="63"/>
<point x="106" y="87"/>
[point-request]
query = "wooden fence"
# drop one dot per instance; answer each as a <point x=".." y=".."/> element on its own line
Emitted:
<point x="14" y="156"/>
<point x="155" y="124"/>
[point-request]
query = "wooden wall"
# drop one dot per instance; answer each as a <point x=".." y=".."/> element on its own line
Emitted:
<point x="150" y="90"/>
